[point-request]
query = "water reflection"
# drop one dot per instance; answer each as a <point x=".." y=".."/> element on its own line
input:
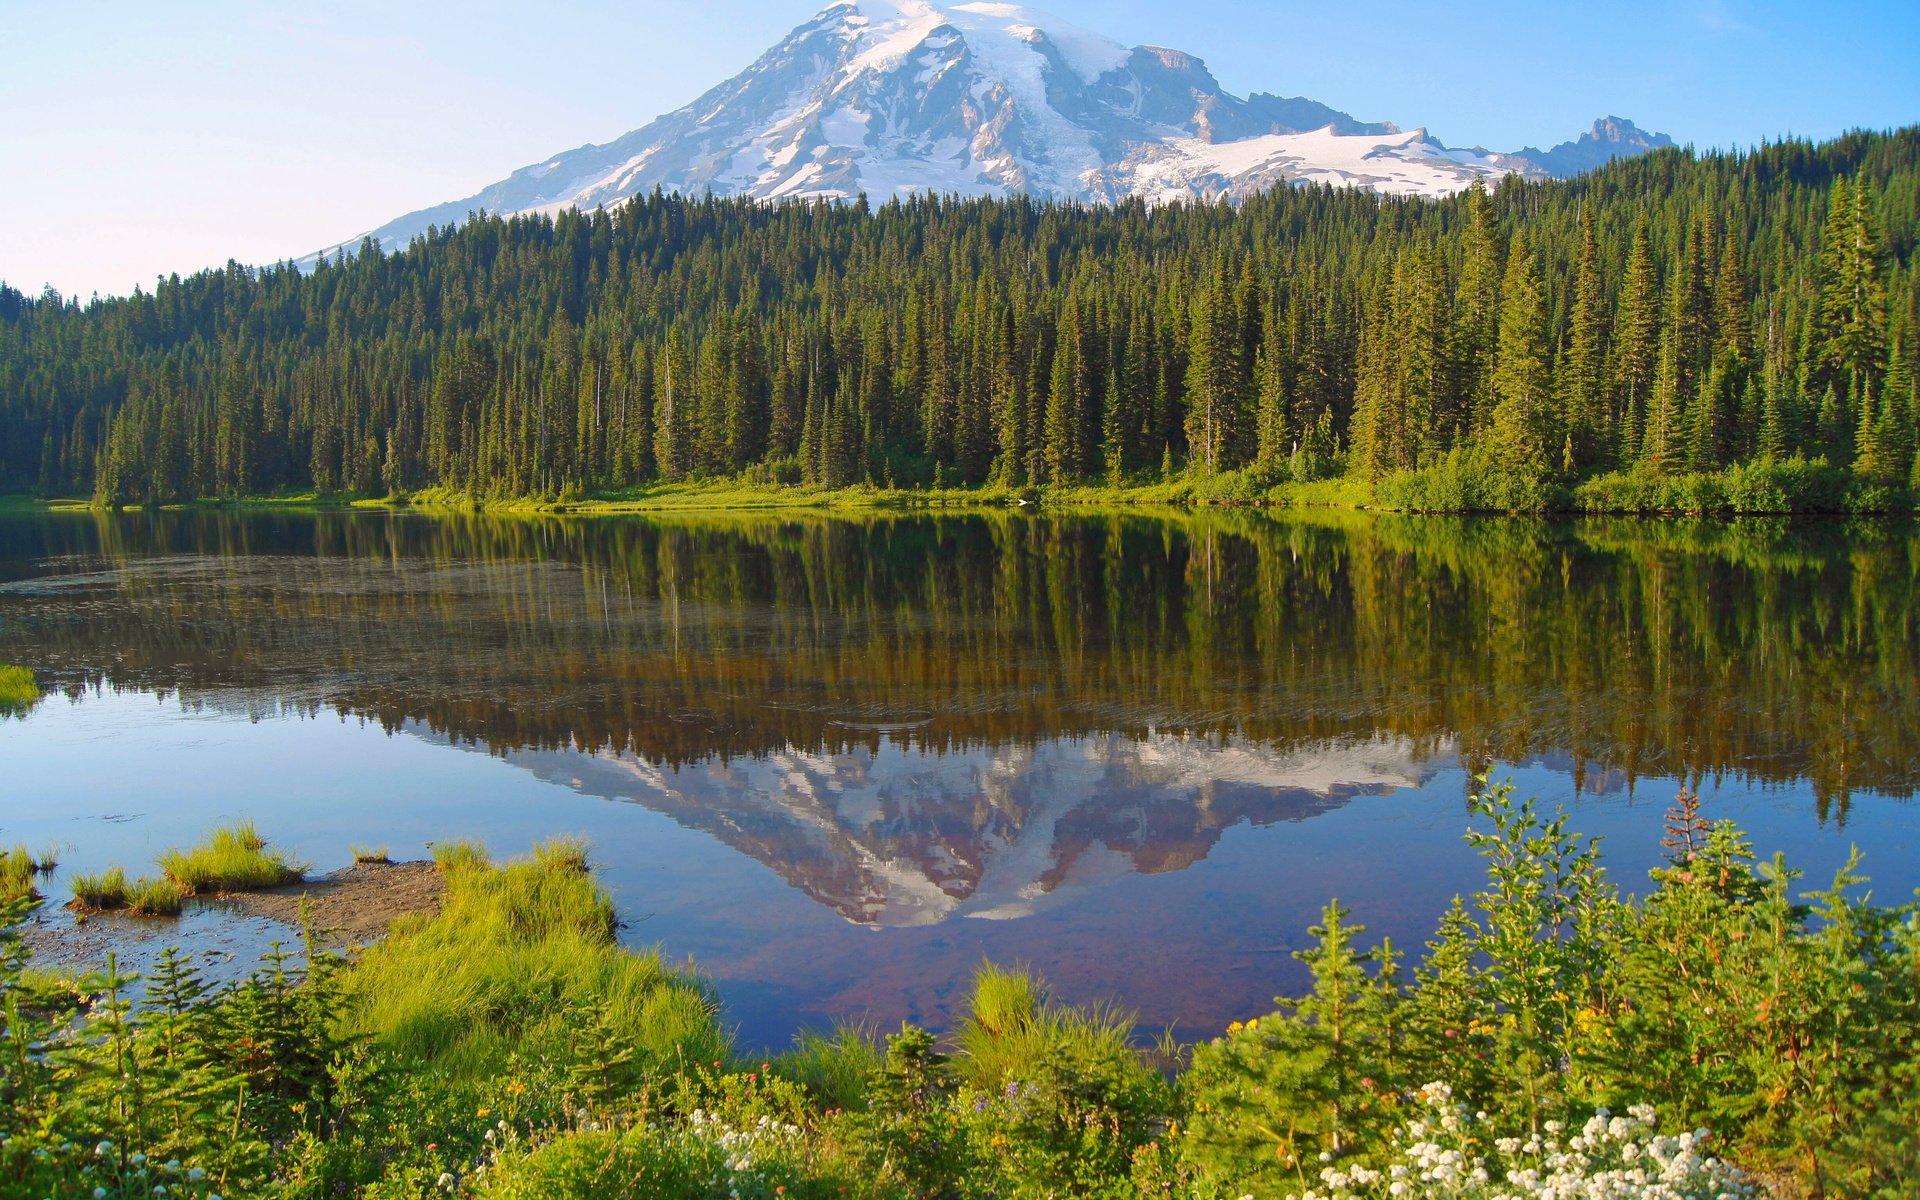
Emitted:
<point x="1137" y="751"/>
<point x="1772" y="651"/>
<point x="898" y="836"/>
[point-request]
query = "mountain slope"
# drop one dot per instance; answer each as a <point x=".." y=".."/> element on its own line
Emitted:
<point x="886" y="97"/>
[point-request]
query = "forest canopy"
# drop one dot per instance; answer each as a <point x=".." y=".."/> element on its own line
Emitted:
<point x="1668" y="315"/>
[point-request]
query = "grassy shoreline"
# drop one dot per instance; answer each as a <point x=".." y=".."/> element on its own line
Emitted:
<point x="1459" y="484"/>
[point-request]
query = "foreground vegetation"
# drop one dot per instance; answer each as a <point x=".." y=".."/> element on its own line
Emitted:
<point x="1670" y="315"/>
<point x="508" y="1047"/>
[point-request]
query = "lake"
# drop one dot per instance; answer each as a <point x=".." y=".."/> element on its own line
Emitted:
<point x="840" y="760"/>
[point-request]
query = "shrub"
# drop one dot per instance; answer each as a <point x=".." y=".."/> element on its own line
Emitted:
<point x="702" y="1158"/>
<point x="233" y="859"/>
<point x="1469" y="479"/>
<point x="1448" y="1151"/>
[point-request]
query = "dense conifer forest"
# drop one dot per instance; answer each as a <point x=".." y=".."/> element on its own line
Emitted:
<point x="1668" y="316"/>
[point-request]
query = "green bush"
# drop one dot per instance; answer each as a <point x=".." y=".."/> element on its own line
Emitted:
<point x="1764" y="487"/>
<point x="1468" y="479"/>
<point x="454" y="857"/>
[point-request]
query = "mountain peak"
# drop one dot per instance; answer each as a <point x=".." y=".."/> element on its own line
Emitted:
<point x="983" y="98"/>
<point x="1609" y="138"/>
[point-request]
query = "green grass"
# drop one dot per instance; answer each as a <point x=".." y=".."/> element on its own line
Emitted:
<point x="18" y="691"/>
<point x="109" y="891"/>
<point x="562" y="854"/>
<point x="17" y="873"/>
<point x="835" y="1068"/>
<point x="369" y="854"/>
<point x="98" y="893"/>
<point x="154" y="898"/>
<point x="455" y="857"/>
<point x="233" y="859"/>
<point x="1012" y="1022"/>
<point x="514" y="957"/>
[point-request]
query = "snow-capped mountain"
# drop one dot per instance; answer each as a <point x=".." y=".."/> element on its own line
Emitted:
<point x="886" y="97"/>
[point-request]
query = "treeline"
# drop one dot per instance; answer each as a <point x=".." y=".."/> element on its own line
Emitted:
<point x="1671" y="313"/>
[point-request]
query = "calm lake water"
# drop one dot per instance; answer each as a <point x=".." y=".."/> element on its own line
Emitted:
<point x="839" y="761"/>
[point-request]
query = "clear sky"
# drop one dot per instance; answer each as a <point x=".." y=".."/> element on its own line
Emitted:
<point x="143" y="138"/>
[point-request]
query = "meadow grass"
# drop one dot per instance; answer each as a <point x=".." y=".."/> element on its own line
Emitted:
<point x="233" y="859"/>
<point x="97" y="893"/>
<point x="514" y="956"/>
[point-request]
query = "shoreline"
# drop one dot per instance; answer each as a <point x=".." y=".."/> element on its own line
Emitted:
<point x="351" y="907"/>
<point x="726" y="498"/>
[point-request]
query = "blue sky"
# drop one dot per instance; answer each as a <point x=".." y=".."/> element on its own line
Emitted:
<point x="140" y="138"/>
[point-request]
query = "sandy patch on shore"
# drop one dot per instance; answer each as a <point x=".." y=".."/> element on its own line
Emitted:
<point x="353" y="905"/>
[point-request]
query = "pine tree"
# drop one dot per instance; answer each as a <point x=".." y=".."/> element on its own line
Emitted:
<point x="1582" y="381"/>
<point x="1521" y="430"/>
<point x="1477" y="329"/>
<point x="1851" y="320"/>
<point x="1636" y="349"/>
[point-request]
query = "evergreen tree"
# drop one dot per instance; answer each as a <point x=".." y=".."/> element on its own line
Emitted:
<point x="1521" y="430"/>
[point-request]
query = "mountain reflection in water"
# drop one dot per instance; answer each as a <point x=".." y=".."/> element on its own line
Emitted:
<point x="914" y="718"/>
<point x="894" y="836"/>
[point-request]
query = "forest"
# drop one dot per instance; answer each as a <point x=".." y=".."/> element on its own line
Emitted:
<point x="1744" y="317"/>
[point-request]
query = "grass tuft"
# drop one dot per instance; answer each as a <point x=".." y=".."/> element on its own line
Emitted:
<point x="835" y="1068"/>
<point x="512" y="953"/>
<point x="1012" y="1022"/>
<point x="154" y="898"/>
<point x="455" y="857"/>
<point x="98" y="893"/>
<point x="233" y="859"/>
<point x="562" y="854"/>
<point x="17" y="875"/>
<point x="369" y="854"/>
